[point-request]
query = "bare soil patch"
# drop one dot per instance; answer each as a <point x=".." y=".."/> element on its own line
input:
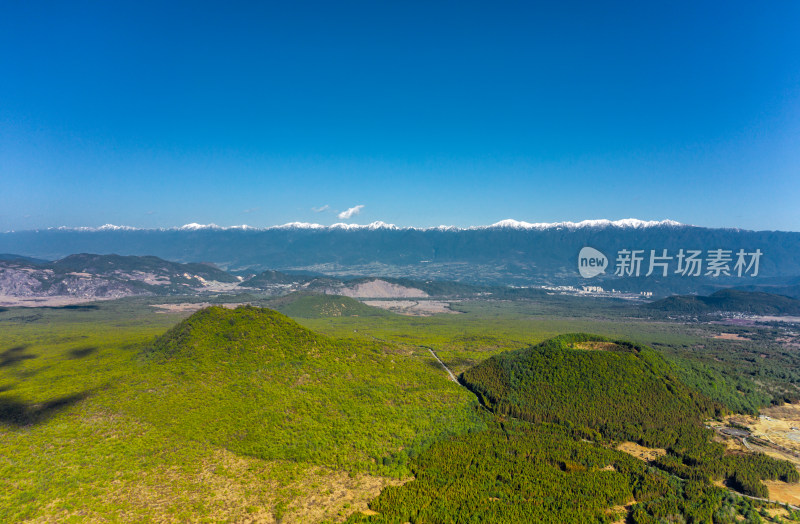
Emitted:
<point x="380" y="289"/>
<point x="191" y="307"/>
<point x="730" y="336"/>
<point x="641" y="452"/>
<point x="422" y="308"/>
<point x="780" y="425"/>
<point x="621" y="510"/>
<point x="56" y="301"/>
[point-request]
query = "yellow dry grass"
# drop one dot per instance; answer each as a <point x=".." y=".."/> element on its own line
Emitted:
<point x="730" y="336"/>
<point x="596" y="346"/>
<point x="641" y="452"/>
<point x="783" y="492"/>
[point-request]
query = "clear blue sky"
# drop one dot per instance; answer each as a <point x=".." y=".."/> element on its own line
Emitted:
<point x="426" y="113"/>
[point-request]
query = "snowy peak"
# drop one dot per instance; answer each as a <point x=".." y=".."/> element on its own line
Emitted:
<point x="602" y="223"/>
<point x="112" y="227"/>
<point x="339" y="225"/>
<point x="373" y="226"/>
<point x="105" y="227"/>
<point x="194" y="226"/>
<point x="298" y="225"/>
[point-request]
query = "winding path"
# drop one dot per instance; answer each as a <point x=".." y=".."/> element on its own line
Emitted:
<point x="430" y="349"/>
<point x="452" y="376"/>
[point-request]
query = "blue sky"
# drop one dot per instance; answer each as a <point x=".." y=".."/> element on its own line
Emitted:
<point x="424" y="113"/>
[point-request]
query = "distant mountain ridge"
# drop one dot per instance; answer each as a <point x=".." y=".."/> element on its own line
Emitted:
<point x="506" y="253"/>
<point x="88" y="276"/>
<point x="729" y="300"/>
<point x="12" y="257"/>
<point x="85" y="276"/>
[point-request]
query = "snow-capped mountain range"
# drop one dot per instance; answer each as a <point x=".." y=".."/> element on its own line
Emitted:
<point x="508" y="223"/>
<point x="506" y="252"/>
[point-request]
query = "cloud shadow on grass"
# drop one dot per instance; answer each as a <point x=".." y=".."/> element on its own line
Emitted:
<point x="82" y="352"/>
<point x="13" y="355"/>
<point x="14" y="412"/>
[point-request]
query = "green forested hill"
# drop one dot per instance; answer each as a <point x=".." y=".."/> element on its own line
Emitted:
<point x="246" y="334"/>
<point x="625" y="390"/>
<point x="257" y="383"/>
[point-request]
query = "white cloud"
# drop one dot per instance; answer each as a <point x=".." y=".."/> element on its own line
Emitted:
<point x="320" y="209"/>
<point x="344" y="215"/>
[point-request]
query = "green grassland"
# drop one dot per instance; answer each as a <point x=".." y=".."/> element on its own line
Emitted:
<point x="94" y="421"/>
<point x="113" y="411"/>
